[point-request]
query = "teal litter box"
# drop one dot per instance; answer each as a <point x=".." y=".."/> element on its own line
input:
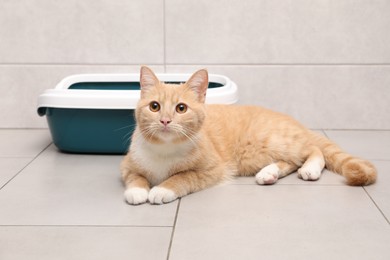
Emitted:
<point x="94" y="113"/>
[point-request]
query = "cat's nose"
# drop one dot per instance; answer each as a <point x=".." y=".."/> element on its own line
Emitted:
<point x="165" y="122"/>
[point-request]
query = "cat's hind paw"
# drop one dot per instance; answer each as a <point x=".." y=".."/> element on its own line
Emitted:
<point x="135" y="196"/>
<point x="160" y="195"/>
<point x="268" y="175"/>
<point x="309" y="175"/>
<point x="311" y="171"/>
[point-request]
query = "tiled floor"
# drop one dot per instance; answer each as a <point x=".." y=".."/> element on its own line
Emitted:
<point x="64" y="206"/>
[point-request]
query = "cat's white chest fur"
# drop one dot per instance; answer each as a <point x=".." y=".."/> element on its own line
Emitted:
<point x="159" y="159"/>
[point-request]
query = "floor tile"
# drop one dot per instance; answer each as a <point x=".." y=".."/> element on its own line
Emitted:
<point x="84" y="243"/>
<point x="380" y="191"/>
<point x="70" y="189"/>
<point x="372" y="145"/>
<point x="23" y="143"/>
<point x="280" y="222"/>
<point x="71" y="206"/>
<point x="10" y="167"/>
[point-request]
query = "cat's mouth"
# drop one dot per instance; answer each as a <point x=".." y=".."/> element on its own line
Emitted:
<point x="166" y="129"/>
<point x="166" y="132"/>
<point x="170" y="133"/>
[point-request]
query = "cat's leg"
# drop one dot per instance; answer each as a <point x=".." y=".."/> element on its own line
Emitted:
<point x="271" y="173"/>
<point x="313" y="166"/>
<point x="137" y="188"/>
<point x="185" y="183"/>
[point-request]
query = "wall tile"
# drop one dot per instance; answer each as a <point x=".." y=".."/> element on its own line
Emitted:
<point x="89" y="31"/>
<point x="20" y="87"/>
<point x="370" y="145"/>
<point x="333" y="97"/>
<point x="342" y="97"/>
<point x="269" y="32"/>
<point x="265" y="37"/>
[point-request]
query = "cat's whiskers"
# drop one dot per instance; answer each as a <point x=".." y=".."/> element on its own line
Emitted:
<point x="186" y="132"/>
<point x="176" y="131"/>
<point x="149" y="132"/>
<point x="127" y="136"/>
<point x="126" y="139"/>
<point x="124" y="127"/>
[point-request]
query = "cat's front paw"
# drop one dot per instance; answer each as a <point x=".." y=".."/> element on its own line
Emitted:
<point x="135" y="196"/>
<point x="159" y="195"/>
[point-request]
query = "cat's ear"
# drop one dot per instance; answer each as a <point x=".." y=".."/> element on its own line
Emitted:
<point x="199" y="82"/>
<point x="148" y="80"/>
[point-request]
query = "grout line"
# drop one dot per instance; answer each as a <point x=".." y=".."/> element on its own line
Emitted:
<point x="164" y="38"/>
<point x="291" y="184"/>
<point x="324" y="132"/>
<point x="173" y="229"/>
<point x="88" y="226"/>
<point x="376" y="205"/>
<point x="355" y="130"/>
<point x="278" y="64"/>
<point x="33" y="159"/>
<point x="77" y="64"/>
<point x="165" y="64"/>
<point x="17" y="157"/>
<point x="24" y="128"/>
<point x="313" y="129"/>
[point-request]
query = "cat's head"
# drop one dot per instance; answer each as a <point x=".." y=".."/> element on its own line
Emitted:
<point x="171" y="112"/>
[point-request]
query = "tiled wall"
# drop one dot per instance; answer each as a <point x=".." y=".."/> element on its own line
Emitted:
<point x="326" y="62"/>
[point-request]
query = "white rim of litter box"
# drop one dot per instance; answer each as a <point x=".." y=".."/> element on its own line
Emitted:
<point x="63" y="97"/>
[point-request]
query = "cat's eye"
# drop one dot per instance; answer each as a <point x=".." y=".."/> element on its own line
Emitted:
<point x="181" y="108"/>
<point x="154" y="106"/>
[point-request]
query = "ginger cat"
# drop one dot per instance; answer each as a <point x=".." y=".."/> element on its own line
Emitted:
<point x="181" y="145"/>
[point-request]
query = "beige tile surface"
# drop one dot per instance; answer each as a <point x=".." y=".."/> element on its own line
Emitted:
<point x="330" y="97"/>
<point x="69" y="206"/>
<point x="70" y="243"/>
<point x="373" y="145"/>
<point x="11" y="167"/>
<point x="71" y="189"/>
<point x="82" y="32"/>
<point x="21" y="85"/>
<point x="250" y="32"/>
<point x="23" y="143"/>
<point x="380" y="191"/>
<point x="280" y="222"/>
<point x="332" y="57"/>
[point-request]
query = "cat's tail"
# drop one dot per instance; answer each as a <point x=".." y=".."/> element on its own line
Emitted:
<point x="356" y="171"/>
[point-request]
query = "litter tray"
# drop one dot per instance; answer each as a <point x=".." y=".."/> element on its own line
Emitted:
<point x="94" y="113"/>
